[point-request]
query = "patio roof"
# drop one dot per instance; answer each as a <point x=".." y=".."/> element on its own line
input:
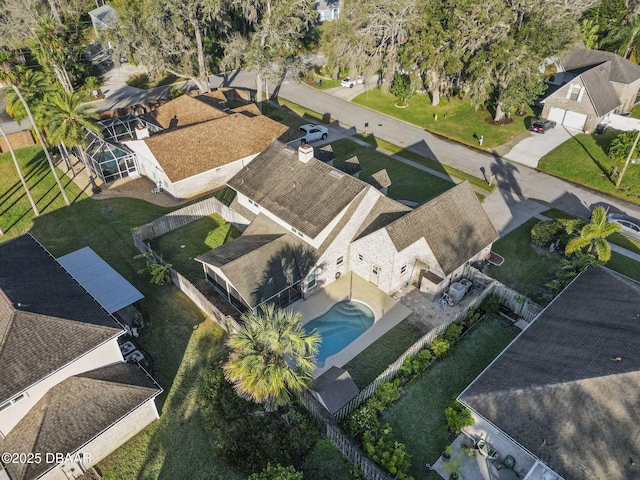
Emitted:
<point x="107" y="286"/>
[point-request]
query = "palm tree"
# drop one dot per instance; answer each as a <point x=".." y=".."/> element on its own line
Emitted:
<point x="68" y="121"/>
<point x="9" y="76"/>
<point x="272" y="356"/>
<point x="22" y="180"/>
<point x="33" y="85"/>
<point x="593" y="236"/>
<point x="625" y="38"/>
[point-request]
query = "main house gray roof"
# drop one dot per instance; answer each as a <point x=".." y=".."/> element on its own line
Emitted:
<point x="47" y="319"/>
<point x="567" y="388"/>
<point x="263" y="261"/>
<point x="600" y="90"/>
<point x="621" y="69"/>
<point x="307" y="196"/>
<point x="454" y="224"/>
<point x="74" y="412"/>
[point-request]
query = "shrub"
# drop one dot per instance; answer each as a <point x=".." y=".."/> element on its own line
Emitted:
<point x="414" y="364"/>
<point x="385" y="394"/>
<point x="458" y="416"/>
<point x="401" y="87"/>
<point x="277" y="472"/>
<point x="491" y="304"/>
<point x="386" y="451"/>
<point x="545" y="231"/>
<point x="362" y="420"/>
<point x="439" y="346"/>
<point x="472" y="316"/>
<point x="453" y="332"/>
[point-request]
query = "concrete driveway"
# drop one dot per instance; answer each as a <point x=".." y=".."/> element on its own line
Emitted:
<point x="531" y="147"/>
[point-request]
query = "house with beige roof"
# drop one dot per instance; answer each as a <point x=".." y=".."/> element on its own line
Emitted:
<point x="312" y="223"/>
<point x="67" y="398"/>
<point x="200" y="144"/>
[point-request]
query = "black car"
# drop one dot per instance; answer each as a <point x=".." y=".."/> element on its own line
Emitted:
<point x="541" y="125"/>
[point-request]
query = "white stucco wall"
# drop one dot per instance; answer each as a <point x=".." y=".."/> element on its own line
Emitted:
<point x="106" y="354"/>
<point x="98" y="448"/>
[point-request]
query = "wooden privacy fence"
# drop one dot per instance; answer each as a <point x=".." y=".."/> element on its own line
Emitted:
<point x="144" y="233"/>
<point x="392" y="370"/>
<point x="347" y="445"/>
<point x="188" y="214"/>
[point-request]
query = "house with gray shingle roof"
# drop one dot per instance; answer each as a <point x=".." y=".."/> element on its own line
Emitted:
<point x="64" y="386"/>
<point x="589" y="85"/>
<point x="565" y="391"/>
<point x="313" y="223"/>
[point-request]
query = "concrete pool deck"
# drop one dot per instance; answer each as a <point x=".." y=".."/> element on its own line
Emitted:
<point x="388" y="313"/>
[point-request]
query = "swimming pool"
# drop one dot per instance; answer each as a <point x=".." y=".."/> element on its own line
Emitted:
<point x="341" y="325"/>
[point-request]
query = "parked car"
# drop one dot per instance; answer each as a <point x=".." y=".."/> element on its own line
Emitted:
<point x="348" y="82"/>
<point x="541" y="125"/>
<point x="313" y="132"/>
<point x="628" y="226"/>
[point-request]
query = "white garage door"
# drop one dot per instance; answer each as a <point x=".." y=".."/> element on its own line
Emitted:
<point x="557" y="115"/>
<point x="574" y="120"/>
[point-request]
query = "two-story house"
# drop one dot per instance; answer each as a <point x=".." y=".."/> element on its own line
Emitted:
<point x="313" y="223"/>
<point x="67" y="399"/>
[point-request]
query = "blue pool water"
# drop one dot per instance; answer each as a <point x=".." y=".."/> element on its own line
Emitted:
<point x="341" y="325"/>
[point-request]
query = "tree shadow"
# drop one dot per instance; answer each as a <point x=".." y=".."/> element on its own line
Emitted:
<point x="504" y="174"/>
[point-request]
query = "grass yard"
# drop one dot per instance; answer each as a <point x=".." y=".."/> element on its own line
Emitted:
<point x="432" y="164"/>
<point x="16" y="215"/>
<point x="408" y="183"/>
<point x="583" y="160"/>
<point x="635" y="113"/>
<point x="372" y="361"/>
<point x="142" y="81"/>
<point x="418" y="418"/>
<point x="454" y="118"/>
<point x="526" y="268"/>
<point x="180" y="246"/>
<point x="292" y="114"/>
<point x="624" y="265"/>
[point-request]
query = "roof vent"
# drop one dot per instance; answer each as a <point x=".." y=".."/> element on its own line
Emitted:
<point x="305" y="153"/>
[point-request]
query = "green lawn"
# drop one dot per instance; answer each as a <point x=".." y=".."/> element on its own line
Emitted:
<point x="181" y="339"/>
<point x="635" y="113"/>
<point x="142" y="81"/>
<point x="432" y="164"/>
<point x="624" y="265"/>
<point x="526" y="268"/>
<point x="408" y="183"/>
<point x="180" y="246"/>
<point x="297" y="115"/>
<point x="454" y="118"/>
<point x="583" y="160"/>
<point x="372" y="361"/>
<point x="16" y="215"/>
<point x="418" y="418"/>
<point x="617" y="238"/>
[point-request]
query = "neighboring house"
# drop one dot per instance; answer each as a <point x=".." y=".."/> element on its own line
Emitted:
<point x="589" y="85"/>
<point x="328" y="10"/>
<point x="312" y="223"/>
<point x="566" y="389"/>
<point x="66" y="395"/>
<point x="187" y="146"/>
<point x="102" y="18"/>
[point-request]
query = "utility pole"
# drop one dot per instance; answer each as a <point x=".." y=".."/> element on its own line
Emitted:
<point x="626" y="164"/>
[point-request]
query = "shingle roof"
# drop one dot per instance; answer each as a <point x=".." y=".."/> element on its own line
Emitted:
<point x="454" y="224"/>
<point x="560" y="391"/>
<point x="185" y="152"/>
<point x="263" y="261"/>
<point x="379" y="179"/>
<point x="384" y="212"/>
<point x="74" y="412"/>
<point x="325" y="154"/>
<point x="600" y="90"/>
<point x="307" y="196"/>
<point x="184" y="110"/>
<point x="336" y="388"/>
<point x="47" y="319"/>
<point x="621" y="70"/>
<point x="351" y="166"/>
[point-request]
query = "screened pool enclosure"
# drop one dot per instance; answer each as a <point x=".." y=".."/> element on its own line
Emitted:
<point x="109" y="159"/>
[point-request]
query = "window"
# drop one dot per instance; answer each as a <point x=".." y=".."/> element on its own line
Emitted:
<point x="360" y="257"/>
<point x="403" y="269"/>
<point x="340" y="261"/>
<point x="311" y="281"/>
<point x="574" y="92"/>
<point x="13" y="401"/>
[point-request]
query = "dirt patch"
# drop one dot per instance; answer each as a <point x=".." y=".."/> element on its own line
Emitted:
<point x="107" y="209"/>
